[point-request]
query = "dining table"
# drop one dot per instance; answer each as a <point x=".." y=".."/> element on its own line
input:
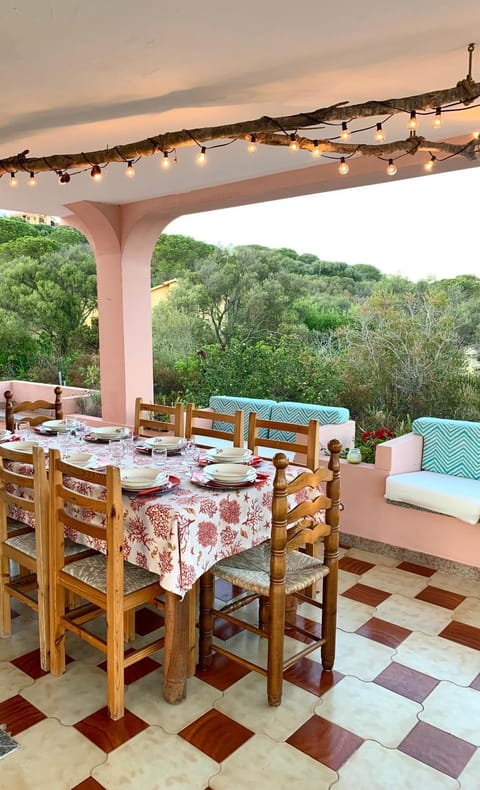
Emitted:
<point x="179" y="532"/>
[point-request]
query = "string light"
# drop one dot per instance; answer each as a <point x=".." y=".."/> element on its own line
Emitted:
<point x="316" y="150"/>
<point x="64" y="178"/>
<point x="343" y="167"/>
<point x="345" y="134"/>
<point x="293" y="144"/>
<point x="412" y="121"/>
<point x="437" y="118"/>
<point x="96" y="173"/>
<point x="32" y="181"/>
<point x="202" y="157"/>
<point x="130" y="170"/>
<point x="428" y="166"/>
<point x="165" y="163"/>
<point x="391" y="168"/>
<point x="252" y="146"/>
<point x="476" y="135"/>
<point x="379" y="134"/>
<point x="13" y="180"/>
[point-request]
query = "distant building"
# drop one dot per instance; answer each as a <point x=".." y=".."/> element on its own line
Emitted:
<point x="160" y="293"/>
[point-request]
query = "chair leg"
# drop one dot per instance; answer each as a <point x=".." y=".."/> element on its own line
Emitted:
<point x="129" y="625"/>
<point x="263" y="613"/>
<point x="44" y="624"/>
<point x="115" y="665"/>
<point x="57" y="631"/>
<point x="329" y="617"/>
<point x="5" y="604"/>
<point x="275" y="646"/>
<point x="207" y="582"/>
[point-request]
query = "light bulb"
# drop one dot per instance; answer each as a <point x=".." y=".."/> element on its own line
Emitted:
<point x="13" y="180"/>
<point x="412" y="121"/>
<point x="130" y="170"/>
<point x="428" y="166"/>
<point x="343" y="167"/>
<point x="316" y="150"/>
<point x="96" y="173"/>
<point x="202" y="157"/>
<point x="252" y="146"/>
<point x="476" y="135"/>
<point x="379" y="134"/>
<point x="293" y="144"/>
<point x="165" y="163"/>
<point x="391" y="168"/>
<point x="437" y="118"/>
<point x="63" y="178"/>
<point x="32" y="181"/>
<point x="345" y="133"/>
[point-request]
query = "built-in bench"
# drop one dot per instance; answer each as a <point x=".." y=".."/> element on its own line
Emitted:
<point x="442" y="474"/>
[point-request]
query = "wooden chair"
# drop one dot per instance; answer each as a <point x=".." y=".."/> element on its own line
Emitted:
<point x="106" y="583"/>
<point x="147" y="422"/>
<point x="304" y="440"/>
<point x="55" y="407"/>
<point x="199" y="423"/>
<point x="274" y="570"/>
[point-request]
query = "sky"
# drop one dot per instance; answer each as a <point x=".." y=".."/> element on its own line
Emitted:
<point x="418" y="228"/>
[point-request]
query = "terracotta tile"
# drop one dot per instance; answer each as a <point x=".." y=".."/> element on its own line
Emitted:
<point x="384" y="632"/>
<point x="369" y="595"/>
<point x="407" y="682"/>
<point x="463" y="634"/>
<point x="89" y="784"/>
<point x="17" y="714"/>
<point x="312" y="626"/>
<point x="222" y="673"/>
<point x="224" y="630"/>
<point x="310" y="676"/>
<point x="147" y="621"/>
<point x="136" y="671"/>
<point x="30" y="664"/>
<point x="412" y="567"/>
<point x="326" y="742"/>
<point x="108" y="734"/>
<point x="438" y="749"/>
<point x="439" y="597"/>
<point x="352" y="565"/>
<point x="216" y="735"/>
<point x="475" y="684"/>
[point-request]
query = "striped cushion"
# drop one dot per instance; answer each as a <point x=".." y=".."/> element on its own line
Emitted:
<point x="302" y="413"/>
<point x="450" y="447"/>
<point x="228" y="404"/>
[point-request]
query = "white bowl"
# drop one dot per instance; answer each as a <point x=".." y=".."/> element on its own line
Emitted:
<point x="111" y="432"/>
<point x="137" y="477"/>
<point x="22" y="447"/>
<point x="59" y="426"/>
<point x="230" y="473"/>
<point x="78" y="459"/>
<point x="230" y="455"/>
<point x="169" y="442"/>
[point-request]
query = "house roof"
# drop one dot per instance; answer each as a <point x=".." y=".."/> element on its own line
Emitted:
<point x="80" y="75"/>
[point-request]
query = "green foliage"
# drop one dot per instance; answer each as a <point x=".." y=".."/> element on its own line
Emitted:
<point x="12" y="228"/>
<point x="174" y="255"/>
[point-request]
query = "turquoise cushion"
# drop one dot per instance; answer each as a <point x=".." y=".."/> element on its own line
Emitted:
<point x="302" y="413"/>
<point x="228" y="404"/>
<point x="450" y="447"/>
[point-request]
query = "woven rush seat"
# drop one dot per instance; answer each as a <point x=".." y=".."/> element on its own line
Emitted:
<point x="251" y="569"/>
<point x="27" y="544"/>
<point x="13" y="525"/>
<point x="93" y="571"/>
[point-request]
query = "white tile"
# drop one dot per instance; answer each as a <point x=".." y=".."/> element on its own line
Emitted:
<point x="454" y="709"/>
<point x="372" y="556"/>
<point x="12" y="681"/>
<point x="413" y="614"/>
<point x="263" y="764"/>
<point x="352" y="614"/>
<point x="356" y="655"/>
<point x="246" y="702"/>
<point x="440" y="658"/>
<point x="369" y="710"/>
<point x="372" y="767"/>
<point x="156" y="760"/>
<point x="469" y="777"/>
<point x="346" y="580"/>
<point x="456" y="583"/>
<point x="468" y="612"/>
<point x="393" y="580"/>
<point x="80" y="691"/>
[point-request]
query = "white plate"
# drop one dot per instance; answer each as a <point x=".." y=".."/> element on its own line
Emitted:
<point x="230" y="455"/>
<point x="79" y="459"/>
<point x="22" y="447"/>
<point x="169" y="442"/>
<point x="4" y="434"/>
<point x="137" y="478"/>
<point x="230" y="473"/>
<point x="111" y="432"/>
<point x="59" y="426"/>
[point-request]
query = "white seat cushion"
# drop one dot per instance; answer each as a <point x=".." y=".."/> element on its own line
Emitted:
<point x="448" y="494"/>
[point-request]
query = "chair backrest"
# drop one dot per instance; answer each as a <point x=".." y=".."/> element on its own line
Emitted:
<point x="24" y="494"/>
<point x="306" y="442"/>
<point x="98" y="517"/>
<point x="294" y="526"/>
<point x="55" y="407"/>
<point x="233" y="437"/>
<point x="150" y="418"/>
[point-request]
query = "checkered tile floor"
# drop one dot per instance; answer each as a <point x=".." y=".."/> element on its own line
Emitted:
<point x="400" y="710"/>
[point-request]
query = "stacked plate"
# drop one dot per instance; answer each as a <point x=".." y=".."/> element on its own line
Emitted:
<point x="137" y="477"/>
<point x="4" y="434"/>
<point x="110" y="432"/>
<point x="58" y="426"/>
<point x="23" y="447"/>
<point x="168" y="442"/>
<point x="79" y="459"/>
<point x="230" y="473"/>
<point x="230" y="455"/>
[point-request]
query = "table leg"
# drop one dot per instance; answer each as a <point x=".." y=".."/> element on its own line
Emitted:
<point x="177" y="647"/>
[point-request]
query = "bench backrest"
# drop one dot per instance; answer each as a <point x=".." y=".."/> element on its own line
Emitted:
<point x="450" y="447"/>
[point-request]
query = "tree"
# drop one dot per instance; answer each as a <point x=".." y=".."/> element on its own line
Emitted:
<point x="12" y="228"/>
<point x="174" y="255"/>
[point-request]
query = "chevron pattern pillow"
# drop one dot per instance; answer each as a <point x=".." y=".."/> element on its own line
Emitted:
<point x="228" y="404"/>
<point x="302" y="413"/>
<point x="450" y="447"/>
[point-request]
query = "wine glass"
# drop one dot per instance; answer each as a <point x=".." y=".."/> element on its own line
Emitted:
<point x="191" y="455"/>
<point x="23" y="430"/>
<point x="159" y="456"/>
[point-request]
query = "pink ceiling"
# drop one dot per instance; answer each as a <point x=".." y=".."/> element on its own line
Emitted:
<point x="81" y="74"/>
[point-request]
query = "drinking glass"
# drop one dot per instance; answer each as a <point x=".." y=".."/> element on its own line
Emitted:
<point x="23" y="430"/>
<point x="116" y="451"/>
<point x="191" y="455"/>
<point x="159" y="457"/>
